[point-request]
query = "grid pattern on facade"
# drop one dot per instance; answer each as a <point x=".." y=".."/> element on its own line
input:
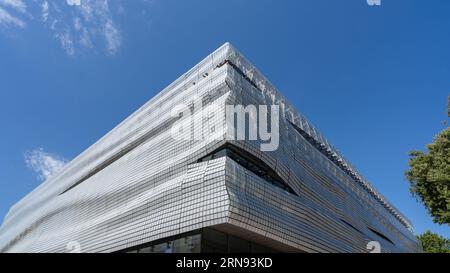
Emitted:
<point x="138" y="185"/>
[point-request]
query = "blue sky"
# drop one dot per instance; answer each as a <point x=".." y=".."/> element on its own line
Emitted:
<point x="373" y="79"/>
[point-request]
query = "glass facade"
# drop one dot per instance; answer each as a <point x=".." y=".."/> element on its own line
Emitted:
<point x="251" y="163"/>
<point x="207" y="240"/>
<point x="139" y="183"/>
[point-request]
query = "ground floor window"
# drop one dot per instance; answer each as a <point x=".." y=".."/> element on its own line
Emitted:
<point x="206" y="240"/>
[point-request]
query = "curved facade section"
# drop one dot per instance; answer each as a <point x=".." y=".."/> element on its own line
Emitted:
<point x="139" y="186"/>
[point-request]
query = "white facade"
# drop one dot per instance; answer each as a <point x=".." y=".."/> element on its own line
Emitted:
<point x="137" y="184"/>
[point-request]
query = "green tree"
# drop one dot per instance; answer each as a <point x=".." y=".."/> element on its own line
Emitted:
<point x="429" y="177"/>
<point x="434" y="243"/>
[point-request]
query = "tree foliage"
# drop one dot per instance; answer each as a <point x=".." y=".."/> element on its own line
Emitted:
<point x="429" y="177"/>
<point x="434" y="243"/>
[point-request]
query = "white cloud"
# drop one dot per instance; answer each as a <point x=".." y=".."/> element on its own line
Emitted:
<point x="44" y="164"/>
<point x="77" y="25"/>
<point x="73" y="2"/>
<point x="17" y="5"/>
<point x="113" y="39"/>
<point x="6" y="19"/>
<point x="44" y="11"/>
<point x="85" y="39"/>
<point x="65" y="39"/>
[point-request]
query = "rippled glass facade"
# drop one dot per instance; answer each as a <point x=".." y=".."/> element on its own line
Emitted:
<point x="139" y="187"/>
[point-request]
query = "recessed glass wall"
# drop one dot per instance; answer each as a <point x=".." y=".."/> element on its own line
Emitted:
<point x="206" y="240"/>
<point x="186" y="244"/>
<point x="251" y="163"/>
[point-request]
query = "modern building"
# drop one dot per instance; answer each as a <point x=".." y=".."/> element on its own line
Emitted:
<point x="141" y="188"/>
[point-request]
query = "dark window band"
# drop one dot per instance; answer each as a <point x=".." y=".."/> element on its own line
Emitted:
<point x="251" y="163"/>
